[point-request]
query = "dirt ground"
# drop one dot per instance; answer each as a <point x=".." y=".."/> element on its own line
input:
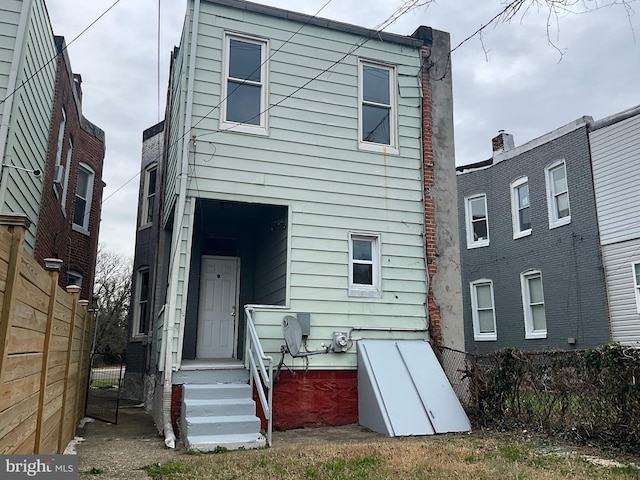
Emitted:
<point x="109" y="451"/>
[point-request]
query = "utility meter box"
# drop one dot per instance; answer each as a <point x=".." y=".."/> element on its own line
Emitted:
<point x="340" y="342"/>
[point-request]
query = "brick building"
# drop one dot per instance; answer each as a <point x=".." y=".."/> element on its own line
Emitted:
<point x="69" y="216"/>
<point x="530" y="256"/>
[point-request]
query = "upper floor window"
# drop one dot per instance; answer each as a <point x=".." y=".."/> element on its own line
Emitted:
<point x="636" y="283"/>
<point x="535" y="321"/>
<point x="477" y="221"/>
<point x="60" y="144"/>
<point x="149" y="192"/>
<point x="58" y="169"/>
<point x="65" y="173"/>
<point x="84" y="191"/>
<point x="558" y="194"/>
<point x="245" y="85"/>
<point x="141" y="306"/>
<point x="364" y="265"/>
<point x="520" y="208"/>
<point x="483" y="311"/>
<point x="378" y="129"/>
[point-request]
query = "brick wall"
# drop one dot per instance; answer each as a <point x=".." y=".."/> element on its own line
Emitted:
<point x="56" y="236"/>
<point x="568" y="256"/>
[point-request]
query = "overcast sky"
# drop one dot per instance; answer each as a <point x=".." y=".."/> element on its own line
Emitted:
<point x="511" y="78"/>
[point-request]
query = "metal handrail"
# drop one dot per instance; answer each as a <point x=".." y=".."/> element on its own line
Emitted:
<point x="261" y="374"/>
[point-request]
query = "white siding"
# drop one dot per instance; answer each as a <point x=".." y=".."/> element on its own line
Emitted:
<point x="30" y="119"/>
<point x="310" y="162"/>
<point x="625" y="319"/>
<point x="615" y="151"/>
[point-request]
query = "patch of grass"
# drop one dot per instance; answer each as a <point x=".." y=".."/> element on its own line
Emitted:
<point x="484" y="457"/>
<point x="170" y="470"/>
<point x="95" y="471"/>
<point x="104" y="382"/>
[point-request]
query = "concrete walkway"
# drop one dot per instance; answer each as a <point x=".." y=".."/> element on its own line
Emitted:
<point x="120" y="451"/>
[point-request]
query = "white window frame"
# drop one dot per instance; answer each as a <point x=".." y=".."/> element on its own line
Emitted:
<point x="477" y="334"/>
<point x="73" y="274"/>
<point x="144" y="215"/>
<point x="392" y="147"/>
<point x="66" y="178"/>
<point x="554" y="220"/>
<point x="61" y="129"/>
<point x="262" y="128"/>
<point x="636" y="283"/>
<point x="515" y="208"/>
<point x="530" y="333"/>
<point x="84" y="228"/>
<point x="471" y="242"/>
<point x="375" y="289"/>
<point x="135" y="327"/>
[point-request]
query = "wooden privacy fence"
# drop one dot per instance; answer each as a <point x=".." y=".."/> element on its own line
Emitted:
<point x="45" y="344"/>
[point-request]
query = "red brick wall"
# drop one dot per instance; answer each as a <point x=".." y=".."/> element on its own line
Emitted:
<point x="313" y="399"/>
<point x="55" y="236"/>
<point x="435" y="331"/>
<point x="176" y="407"/>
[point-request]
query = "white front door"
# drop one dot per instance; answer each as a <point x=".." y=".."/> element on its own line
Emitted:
<point x="217" y="313"/>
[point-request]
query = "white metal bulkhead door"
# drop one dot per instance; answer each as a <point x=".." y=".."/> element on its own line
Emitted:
<point x="217" y="312"/>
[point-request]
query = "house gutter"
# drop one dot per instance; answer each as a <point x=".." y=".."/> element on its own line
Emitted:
<point x="169" y="434"/>
<point x="11" y="86"/>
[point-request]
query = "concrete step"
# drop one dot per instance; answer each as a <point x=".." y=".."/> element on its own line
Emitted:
<point x="211" y="408"/>
<point x="220" y="425"/>
<point x="191" y="376"/>
<point x="208" y="443"/>
<point x="216" y="391"/>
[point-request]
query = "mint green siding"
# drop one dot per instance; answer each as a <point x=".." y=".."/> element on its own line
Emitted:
<point x="310" y="161"/>
<point x="30" y="113"/>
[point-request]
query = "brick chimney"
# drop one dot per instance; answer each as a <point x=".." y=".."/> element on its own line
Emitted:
<point x="502" y="142"/>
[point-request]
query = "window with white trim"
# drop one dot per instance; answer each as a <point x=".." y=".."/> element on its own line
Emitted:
<point x="483" y="311"/>
<point x="378" y="124"/>
<point x="67" y="169"/>
<point x="520" y="208"/>
<point x="557" y="194"/>
<point x="535" y="321"/>
<point x="149" y="195"/>
<point x="58" y="169"/>
<point x="636" y="283"/>
<point x="477" y="221"/>
<point x="84" y="191"/>
<point x="74" y="278"/>
<point x="245" y="85"/>
<point x="364" y="265"/>
<point x="140" y="325"/>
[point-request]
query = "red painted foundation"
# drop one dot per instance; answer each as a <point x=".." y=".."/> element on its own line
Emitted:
<point x="176" y="406"/>
<point x="313" y="399"/>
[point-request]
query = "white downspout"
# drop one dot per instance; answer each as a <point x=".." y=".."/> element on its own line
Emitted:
<point x="13" y="81"/>
<point x="169" y="435"/>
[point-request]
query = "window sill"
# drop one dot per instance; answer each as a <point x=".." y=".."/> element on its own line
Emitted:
<point x="364" y="292"/>
<point x="145" y="226"/>
<point x="535" y="335"/>
<point x="485" y="337"/>
<point x="379" y="148"/>
<point x="79" y="229"/>
<point x="477" y="244"/>
<point x="524" y="233"/>
<point x="560" y="223"/>
<point x="232" y="127"/>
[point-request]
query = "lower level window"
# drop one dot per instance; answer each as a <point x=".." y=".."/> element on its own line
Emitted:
<point x="483" y="311"/>
<point x="364" y="265"/>
<point x="141" y="312"/>
<point x="535" y="321"/>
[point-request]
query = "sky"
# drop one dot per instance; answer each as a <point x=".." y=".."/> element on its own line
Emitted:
<point x="527" y="77"/>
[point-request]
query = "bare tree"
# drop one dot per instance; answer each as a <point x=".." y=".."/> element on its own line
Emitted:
<point x="113" y="292"/>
